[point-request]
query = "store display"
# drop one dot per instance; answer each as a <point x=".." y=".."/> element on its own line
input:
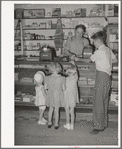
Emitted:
<point x="56" y="12"/>
<point x="31" y="13"/>
<point x="109" y="10"/>
<point x="19" y="13"/>
<point x="116" y="10"/>
<point x="58" y="37"/>
<point x="80" y="12"/>
<point x="26" y="80"/>
<point x="27" y="98"/>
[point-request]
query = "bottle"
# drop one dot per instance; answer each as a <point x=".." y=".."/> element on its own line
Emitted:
<point x="19" y="47"/>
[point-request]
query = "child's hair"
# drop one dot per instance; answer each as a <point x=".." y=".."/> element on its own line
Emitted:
<point x="99" y="35"/>
<point x="80" y="26"/>
<point x="55" y="66"/>
<point x="39" y="77"/>
<point x="71" y="70"/>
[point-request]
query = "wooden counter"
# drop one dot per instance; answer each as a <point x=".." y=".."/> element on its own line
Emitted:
<point x="85" y="70"/>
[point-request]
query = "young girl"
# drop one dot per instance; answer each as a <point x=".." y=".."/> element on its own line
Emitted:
<point x="54" y="84"/>
<point x="71" y="95"/>
<point x="40" y="95"/>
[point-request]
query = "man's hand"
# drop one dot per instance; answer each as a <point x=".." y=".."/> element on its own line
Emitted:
<point x="79" y="55"/>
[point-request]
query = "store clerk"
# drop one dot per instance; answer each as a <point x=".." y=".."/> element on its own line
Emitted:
<point x="75" y="45"/>
<point x="103" y="58"/>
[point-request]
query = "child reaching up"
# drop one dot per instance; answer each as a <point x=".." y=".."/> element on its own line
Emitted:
<point x="54" y="84"/>
<point x="71" y="95"/>
<point x="40" y="95"/>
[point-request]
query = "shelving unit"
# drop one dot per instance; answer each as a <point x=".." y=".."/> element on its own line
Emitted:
<point x="28" y="43"/>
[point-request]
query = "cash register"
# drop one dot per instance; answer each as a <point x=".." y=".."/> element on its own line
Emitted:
<point x="47" y="53"/>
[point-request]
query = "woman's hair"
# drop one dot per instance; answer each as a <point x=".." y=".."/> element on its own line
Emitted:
<point x="80" y="26"/>
<point x="55" y="66"/>
<point x="99" y="35"/>
<point x="71" y="70"/>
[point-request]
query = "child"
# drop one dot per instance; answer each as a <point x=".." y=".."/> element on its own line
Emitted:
<point x="71" y="95"/>
<point x="40" y="95"/>
<point x="54" y="84"/>
<point x="103" y="58"/>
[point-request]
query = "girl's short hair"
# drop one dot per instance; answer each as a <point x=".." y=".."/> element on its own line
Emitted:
<point x="80" y="26"/>
<point x="99" y="35"/>
<point x="71" y="70"/>
<point x="55" y="66"/>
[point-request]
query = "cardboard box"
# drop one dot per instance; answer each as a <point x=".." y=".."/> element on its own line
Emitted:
<point x="81" y="12"/>
<point x="34" y="13"/>
<point x="56" y="12"/>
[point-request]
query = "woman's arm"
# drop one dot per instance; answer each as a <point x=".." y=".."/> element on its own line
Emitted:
<point x="67" y="52"/>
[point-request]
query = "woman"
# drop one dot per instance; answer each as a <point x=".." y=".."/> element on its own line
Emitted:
<point x="74" y="46"/>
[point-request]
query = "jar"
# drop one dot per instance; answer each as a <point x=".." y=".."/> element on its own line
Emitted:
<point x="87" y="51"/>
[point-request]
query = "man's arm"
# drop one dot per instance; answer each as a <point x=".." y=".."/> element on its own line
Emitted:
<point x="67" y="52"/>
<point x="83" y="60"/>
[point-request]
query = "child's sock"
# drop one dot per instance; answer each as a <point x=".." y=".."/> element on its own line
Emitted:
<point x="44" y="120"/>
<point x="67" y="126"/>
<point x="71" y="126"/>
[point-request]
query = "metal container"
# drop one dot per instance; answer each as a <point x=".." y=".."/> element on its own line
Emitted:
<point x="87" y="51"/>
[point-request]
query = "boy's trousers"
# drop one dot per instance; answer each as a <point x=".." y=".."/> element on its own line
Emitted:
<point x="100" y="103"/>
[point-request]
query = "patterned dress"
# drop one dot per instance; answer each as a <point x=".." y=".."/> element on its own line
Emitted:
<point x="40" y="96"/>
<point x="55" y="94"/>
<point x="71" y="92"/>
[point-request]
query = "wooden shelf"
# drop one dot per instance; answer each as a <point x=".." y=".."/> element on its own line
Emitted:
<point x="71" y="17"/>
<point x="23" y="83"/>
<point x="43" y="29"/>
<point x="34" y="39"/>
<point x="80" y="105"/>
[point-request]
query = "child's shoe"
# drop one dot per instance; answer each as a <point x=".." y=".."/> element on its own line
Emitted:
<point x="71" y="126"/>
<point x="44" y="120"/>
<point x="41" y="122"/>
<point x="67" y="126"/>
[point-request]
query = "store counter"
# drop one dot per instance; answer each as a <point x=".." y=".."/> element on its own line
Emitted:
<point x="25" y="70"/>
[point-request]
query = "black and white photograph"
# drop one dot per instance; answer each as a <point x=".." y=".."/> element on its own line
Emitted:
<point x="60" y="74"/>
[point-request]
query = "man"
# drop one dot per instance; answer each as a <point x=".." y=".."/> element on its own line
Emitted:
<point x="103" y="58"/>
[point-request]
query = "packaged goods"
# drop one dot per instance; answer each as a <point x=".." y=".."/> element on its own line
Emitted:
<point x="56" y="12"/>
<point x="27" y="98"/>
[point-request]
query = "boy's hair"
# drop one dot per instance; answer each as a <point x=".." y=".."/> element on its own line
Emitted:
<point x="80" y="26"/>
<point x="99" y="35"/>
<point x="55" y="66"/>
<point x="71" y="70"/>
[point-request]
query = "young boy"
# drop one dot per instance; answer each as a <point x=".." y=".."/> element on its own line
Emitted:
<point x="103" y="58"/>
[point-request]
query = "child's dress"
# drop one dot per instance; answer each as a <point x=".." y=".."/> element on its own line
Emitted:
<point x="40" y="96"/>
<point x="71" y="92"/>
<point x="55" y="94"/>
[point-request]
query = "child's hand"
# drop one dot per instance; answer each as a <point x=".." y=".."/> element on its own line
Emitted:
<point x="72" y="62"/>
<point x="76" y="59"/>
<point x="72" y="57"/>
<point x="79" y="55"/>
